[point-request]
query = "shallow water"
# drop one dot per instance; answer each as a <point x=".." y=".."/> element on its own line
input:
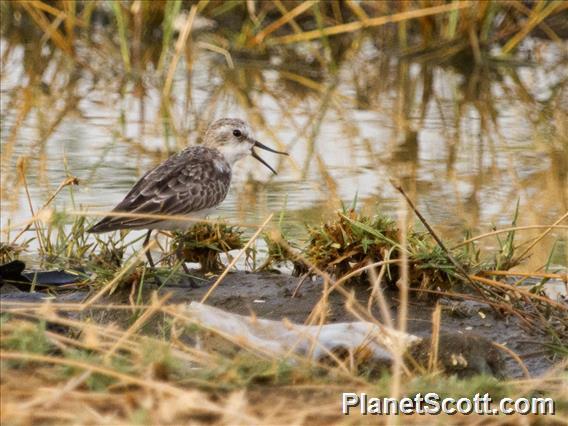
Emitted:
<point x="466" y="145"/>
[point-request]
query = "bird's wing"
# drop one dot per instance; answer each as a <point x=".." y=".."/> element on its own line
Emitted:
<point x="187" y="182"/>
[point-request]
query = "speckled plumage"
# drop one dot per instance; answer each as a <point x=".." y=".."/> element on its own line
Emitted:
<point x="192" y="181"/>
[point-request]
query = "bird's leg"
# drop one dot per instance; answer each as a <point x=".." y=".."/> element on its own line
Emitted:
<point x="192" y="282"/>
<point x="148" y="254"/>
<point x="179" y="254"/>
<point x="149" y="257"/>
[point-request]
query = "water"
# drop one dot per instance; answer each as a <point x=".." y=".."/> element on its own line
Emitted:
<point x="466" y="145"/>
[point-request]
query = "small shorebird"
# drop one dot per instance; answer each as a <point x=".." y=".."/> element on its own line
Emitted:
<point x="192" y="182"/>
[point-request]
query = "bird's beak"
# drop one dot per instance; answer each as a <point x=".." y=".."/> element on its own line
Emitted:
<point x="261" y="146"/>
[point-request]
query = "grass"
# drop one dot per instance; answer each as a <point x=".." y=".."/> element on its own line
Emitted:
<point x="318" y="66"/>
<point x="204" y="244"/>
<point x="101" y="356"/>
<point x="350" y="242"/>
<point x="74" y="367"/>
<point x="422" y="26"/>
<point x="340" y="250"/>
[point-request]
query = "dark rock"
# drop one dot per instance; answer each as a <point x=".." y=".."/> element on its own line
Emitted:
<point x="462" y="354"/>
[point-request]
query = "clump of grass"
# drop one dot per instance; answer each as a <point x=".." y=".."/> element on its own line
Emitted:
<point x="505" y="259"/>
<point x="278" y="251"/>
<point x="64" y="243"/>
<point x="110" y="254"/>
<point x="205" y="242"/>
<point x="430" y="267"/>
<point x="282" y="251"/>
<point x="24" y="336"/>
<point x="69" y="244"/>
<point x="350" y="241"/>
<point x="11" y="251"/>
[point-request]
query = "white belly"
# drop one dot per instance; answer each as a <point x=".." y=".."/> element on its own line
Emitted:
<point x="181" y="225"/>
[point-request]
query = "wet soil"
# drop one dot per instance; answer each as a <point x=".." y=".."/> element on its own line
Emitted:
<point x="269" y="295"/>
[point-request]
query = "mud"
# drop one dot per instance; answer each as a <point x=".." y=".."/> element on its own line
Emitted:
<point x="269" y="295"/>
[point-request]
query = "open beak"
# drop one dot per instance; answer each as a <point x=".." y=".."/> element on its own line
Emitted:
<point x="261" y="146"/>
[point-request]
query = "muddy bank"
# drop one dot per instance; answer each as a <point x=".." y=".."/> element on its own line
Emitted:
<point x="269" y="295"/>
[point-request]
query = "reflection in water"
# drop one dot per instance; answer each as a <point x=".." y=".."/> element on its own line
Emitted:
<point x="468" y="139"/>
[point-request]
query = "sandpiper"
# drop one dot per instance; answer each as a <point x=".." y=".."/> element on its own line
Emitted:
<point x="192" y="182"/>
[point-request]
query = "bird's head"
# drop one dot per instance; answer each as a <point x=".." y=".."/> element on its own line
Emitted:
<point x="233" y="138"/>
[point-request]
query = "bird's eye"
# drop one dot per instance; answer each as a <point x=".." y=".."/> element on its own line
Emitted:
<point x="237" y="133"/>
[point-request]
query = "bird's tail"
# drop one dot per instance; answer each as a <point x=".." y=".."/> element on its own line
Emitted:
<point x="114" y="223"/>
<point x="104" y="225"/>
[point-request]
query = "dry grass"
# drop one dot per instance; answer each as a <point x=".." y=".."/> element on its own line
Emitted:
<point x="144" y="363"/>
<point x="83" y="378"/>
<point x="87" y="355"/>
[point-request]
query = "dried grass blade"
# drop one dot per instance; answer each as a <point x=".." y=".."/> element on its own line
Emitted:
<point x="180" y="44"/>
<point x="533" y="21"/>
<point x="298" y="10"/>
<point x="372" y="22"/>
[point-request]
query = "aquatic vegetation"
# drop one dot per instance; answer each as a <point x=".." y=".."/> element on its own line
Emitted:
<point x="277" y="247"/>
<point x="110" y="254"/>
<point x="426" y="28"/>
<point x="150" y="348"/>
<point x="205" y="242"/>
<point x="281" y="251"/>
<point x="11" y="251"/>
<point x="430" y="268"/>
<point x="350" y="241"/>
<point x="464" y="101"/>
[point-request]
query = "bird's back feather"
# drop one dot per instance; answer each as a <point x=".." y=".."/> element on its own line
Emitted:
<point x="197" y="178"/>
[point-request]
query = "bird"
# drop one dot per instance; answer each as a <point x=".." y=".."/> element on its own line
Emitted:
<point x="190" y="183"/>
